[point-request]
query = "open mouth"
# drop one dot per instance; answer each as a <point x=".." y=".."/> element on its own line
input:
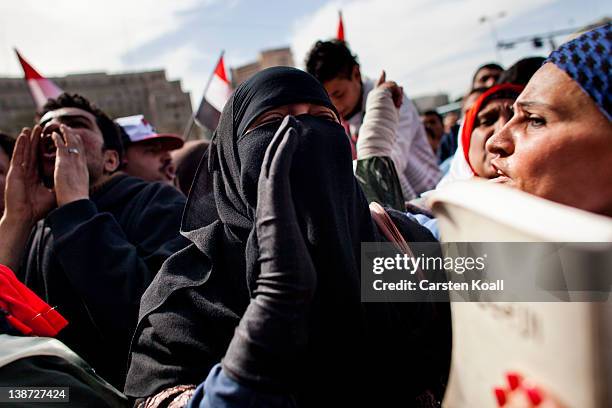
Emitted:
<point x="500" y="177"/>
<point x="46" y="159"/>
<point x="47" y="148"/>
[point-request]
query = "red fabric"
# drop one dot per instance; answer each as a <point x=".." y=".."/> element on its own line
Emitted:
<point x="27" y="313"/>
<point x="472" y="114"/>
<point x="220" y="70"/>
<point x="340" y="34"/>
<point x="29" y="72"/>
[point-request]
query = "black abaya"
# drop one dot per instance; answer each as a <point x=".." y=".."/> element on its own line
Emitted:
<point x="358" y="353"/>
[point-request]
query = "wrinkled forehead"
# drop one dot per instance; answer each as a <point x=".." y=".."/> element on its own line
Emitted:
<point x="59" y="115"/>
<point x="553" y="89"/>
<point x="496" y="103"/>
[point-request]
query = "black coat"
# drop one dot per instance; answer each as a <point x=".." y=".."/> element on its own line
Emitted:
<point x="93" y="260"/>
<point x="191" y="309"/>
<point x="189" y="313"/>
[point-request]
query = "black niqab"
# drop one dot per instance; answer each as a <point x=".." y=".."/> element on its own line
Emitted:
<point x="189" y="313"/>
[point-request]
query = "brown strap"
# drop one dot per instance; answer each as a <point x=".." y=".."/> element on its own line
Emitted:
<point x="389" y="230"/>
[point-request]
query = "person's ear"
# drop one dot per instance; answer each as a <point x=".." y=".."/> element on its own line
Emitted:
<point x="356" y="74"/>
<point x="111" y="161"/>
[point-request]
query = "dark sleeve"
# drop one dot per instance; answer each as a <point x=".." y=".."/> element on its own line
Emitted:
<point x="379" y="181"/>
<point x="430" y="322"/>
<point x="187" y="319"/>
<point x="109" y="270"/>
<point x="52" y="371"/>
<point x="448" y="145"/>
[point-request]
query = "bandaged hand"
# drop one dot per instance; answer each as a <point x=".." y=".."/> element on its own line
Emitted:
<point x="378" y="132"/>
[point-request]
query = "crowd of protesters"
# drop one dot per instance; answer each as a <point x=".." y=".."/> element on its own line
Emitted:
<point x="141" y="270"/>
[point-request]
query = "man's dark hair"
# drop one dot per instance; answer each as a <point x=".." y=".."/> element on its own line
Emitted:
<point x="481" y="89"/>
<point x="110" y="131"/>
<point x="521" y="72"/>
<point x="7" y="144"/>
<point x="434" y="113"/>
<point x="328" y="60"/>
<point x="490" y="65"/>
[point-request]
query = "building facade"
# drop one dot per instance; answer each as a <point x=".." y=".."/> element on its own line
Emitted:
<point x="161" y="101"/>
<point x="266" y="59"/>
<point x="427" y="102"/>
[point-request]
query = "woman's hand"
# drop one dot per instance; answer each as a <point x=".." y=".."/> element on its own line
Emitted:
<point x="281" y="246"/>
<point x="267" y="344"/>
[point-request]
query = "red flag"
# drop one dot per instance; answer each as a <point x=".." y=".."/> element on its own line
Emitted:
<point x="340" y="35"/>
<point x="216" y="94"/>
<point x="41" y="88"/>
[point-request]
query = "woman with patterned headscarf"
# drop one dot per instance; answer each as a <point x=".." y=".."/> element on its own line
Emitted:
<point x="558" y="145"/>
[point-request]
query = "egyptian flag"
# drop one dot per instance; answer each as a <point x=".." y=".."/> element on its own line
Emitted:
<point x="340" y="35"/>
<point x="216" y="94"/>
<point x="41" y="88"/>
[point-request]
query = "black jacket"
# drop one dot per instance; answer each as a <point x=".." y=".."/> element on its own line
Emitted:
<point x="190" y="312"/>
<point x="94" y="258"/>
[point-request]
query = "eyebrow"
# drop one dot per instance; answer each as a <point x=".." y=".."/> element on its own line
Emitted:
<point x="64" y="117"/>
<point x="534" y="104"/>
<point x="490" y="108"/>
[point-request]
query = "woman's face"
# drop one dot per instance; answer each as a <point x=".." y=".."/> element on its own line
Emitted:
<point x="294" y="109"/>
<point x="489" y="121"/>
<point x="558" y="145"/>
<point x="323" y="138"/>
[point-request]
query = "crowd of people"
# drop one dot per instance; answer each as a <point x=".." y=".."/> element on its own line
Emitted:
<point x="140" y="270"/>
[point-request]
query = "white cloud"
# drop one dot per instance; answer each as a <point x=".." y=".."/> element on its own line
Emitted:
<point x="426" y="45"/>
<point x="64" y="36"/>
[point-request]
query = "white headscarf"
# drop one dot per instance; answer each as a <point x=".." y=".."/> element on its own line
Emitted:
<point x="459" y="168"/>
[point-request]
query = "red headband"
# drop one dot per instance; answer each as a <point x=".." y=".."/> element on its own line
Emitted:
<point x="472" y="114"/>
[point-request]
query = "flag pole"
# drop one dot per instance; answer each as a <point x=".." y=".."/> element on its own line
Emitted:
<point x="189" y="127"/>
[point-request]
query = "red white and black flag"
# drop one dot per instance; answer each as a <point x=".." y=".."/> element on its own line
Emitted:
<point x="216" y="94"/>
<point x="41" y="88"/>
<point x="340" y="34"/>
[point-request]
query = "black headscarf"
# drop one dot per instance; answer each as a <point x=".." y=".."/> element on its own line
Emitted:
<point x="190" y="311"/>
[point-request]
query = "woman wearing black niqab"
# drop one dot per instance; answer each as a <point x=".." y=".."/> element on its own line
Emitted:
<point x="357" y="353"/>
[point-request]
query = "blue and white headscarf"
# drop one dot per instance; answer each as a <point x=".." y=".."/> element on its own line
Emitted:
<point x="586" y="60"/>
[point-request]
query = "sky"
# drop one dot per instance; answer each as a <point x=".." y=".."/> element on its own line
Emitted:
<point x="428" y="46"/>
